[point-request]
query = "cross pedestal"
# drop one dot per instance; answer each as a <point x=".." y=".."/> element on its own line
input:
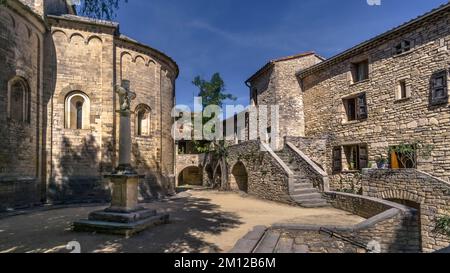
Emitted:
<point x="124" y="216"/>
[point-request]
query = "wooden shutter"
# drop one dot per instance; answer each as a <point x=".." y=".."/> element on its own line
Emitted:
<point x="362" y="107"/>
<point x="363" y="157"/>
<point x="337" y="159"/>
<point x="439" y="89"/>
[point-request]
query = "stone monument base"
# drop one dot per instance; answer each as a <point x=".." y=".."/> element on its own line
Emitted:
<point x="125" y="216"/>
<point x="120" y="223"/>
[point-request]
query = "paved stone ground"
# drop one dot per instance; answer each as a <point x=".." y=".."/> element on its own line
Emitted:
<point x="207" y="221"/>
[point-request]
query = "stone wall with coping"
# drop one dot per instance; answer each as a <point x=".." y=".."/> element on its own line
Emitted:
<point x="390" y="121"/>
<point x="394" y="227"/>
<point x="430" y="193"/>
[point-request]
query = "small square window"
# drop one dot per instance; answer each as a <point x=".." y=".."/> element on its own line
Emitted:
<point x="403" y="90"/>
<point x="360" y="71"/>
<point x="402" y="47"/>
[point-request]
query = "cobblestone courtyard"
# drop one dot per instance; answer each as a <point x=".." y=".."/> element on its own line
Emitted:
<point x="206" y="221"/>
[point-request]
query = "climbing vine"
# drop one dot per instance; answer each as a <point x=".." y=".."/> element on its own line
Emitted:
<point x="443" y="225"/>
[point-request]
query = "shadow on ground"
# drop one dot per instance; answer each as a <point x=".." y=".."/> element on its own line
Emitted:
<point x="49" y="231"/>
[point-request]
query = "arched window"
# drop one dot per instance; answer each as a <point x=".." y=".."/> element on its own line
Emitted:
<point x="77" y="111"/>
<point x="19" y="100"/>
<point x="143" y="119"/>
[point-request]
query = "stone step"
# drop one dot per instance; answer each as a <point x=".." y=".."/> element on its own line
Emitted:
<point x="303" y="191"/>
<point x="285" y="245"/>
<point x="303" y="186"/>
<point x="268" y="242"/>
<point x="307" y="197"/>
<point x="314" y="203"/>
<point x="249" y="242"/>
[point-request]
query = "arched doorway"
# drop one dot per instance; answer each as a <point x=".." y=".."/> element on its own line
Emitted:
<point x="217" y="183"/>
<point x="209" y="175"/>
<point x="417" y="228"/>
<point x="239" y="177"/>
<point x="192" y="176"/>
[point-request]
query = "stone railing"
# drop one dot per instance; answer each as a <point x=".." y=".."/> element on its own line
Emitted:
<point x="315" y="148"/>
<point x="311" y="171"/>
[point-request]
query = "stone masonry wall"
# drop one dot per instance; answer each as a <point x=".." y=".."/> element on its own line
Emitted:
<point x="431" y="194"/>
<point x="266" y="178"/>
<point x="21" y="39"/>
<point x="390" y="121"/>
<point x="392" y="226"/>
<point x="82" y="63"/>
<point x="278" y="85"/>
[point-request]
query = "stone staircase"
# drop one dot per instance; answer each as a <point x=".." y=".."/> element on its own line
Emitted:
<point x="264" y="241"/>
<point x="304" y="192"/>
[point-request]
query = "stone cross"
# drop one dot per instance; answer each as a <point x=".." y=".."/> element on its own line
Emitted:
<point x="125" y="98"/>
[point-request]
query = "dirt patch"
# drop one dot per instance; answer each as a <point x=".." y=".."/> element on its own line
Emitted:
<point x="203" y="221"/>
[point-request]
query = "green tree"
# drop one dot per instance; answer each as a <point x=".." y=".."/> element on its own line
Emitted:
<point x="213" y="92"/>
<point x="100" y="9"/>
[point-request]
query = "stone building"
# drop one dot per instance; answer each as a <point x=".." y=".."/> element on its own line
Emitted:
<point x="58" y="121"/>
<point x="345" y="112"/>
<point x="369" y="124"/>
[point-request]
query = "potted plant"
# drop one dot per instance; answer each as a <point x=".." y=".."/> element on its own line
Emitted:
<point x="382" y="162"/>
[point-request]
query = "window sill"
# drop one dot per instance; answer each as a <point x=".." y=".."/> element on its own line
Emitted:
<point x="397" y="101"/>
<point x="353" y="122"/>
<point x="402" y="54"/>
<point x="78" y="130"/>
<point x="360" y="82"/>
<point x="143" y="137"/>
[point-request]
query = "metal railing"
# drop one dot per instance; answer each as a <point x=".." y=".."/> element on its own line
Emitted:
<point x="347" y="239"/>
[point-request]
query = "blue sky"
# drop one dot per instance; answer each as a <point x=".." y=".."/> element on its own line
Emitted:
<point x="237" y="37"/>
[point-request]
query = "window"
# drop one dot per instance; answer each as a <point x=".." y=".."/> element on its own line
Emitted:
<point x="350" y="158"/>
<point x="402" y="47"/>
<point x="403" y="157"/>
<point x="77" y="111"/>
<point x="19" y="100"/>
<point x="356" y="107"/>
<point x="143" y="120"/>
<point x="403" y="90"/>
<point x="337" y="159"/>
<point x="439" y="90"/>
<point x="360" y="71"/>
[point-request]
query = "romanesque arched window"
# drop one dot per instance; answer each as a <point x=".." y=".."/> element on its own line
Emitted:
<point x="143" y="120"/>
<point x="77" y="111"/>
<point x="19" y="100"/>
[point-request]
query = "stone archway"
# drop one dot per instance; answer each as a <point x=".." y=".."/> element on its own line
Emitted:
<point x="192" y="175"/>
<point x="208" y="175"/>
<point x="239" y="177"/>
<point x="410" y="200"/>
<point x="217" y="181"/>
